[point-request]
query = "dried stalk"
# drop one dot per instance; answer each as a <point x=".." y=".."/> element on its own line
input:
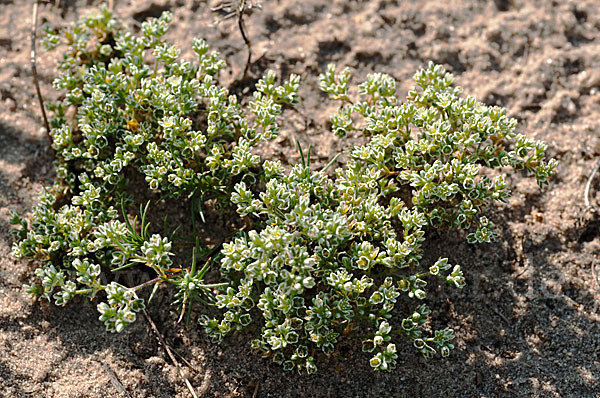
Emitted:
<point x="238" y="11"/>
<point x="34" y="68"/>
<point x="242" y="26"/>
<point x="170" y="353"/>
<point x="115" y="380"/>
<point x="586" y="193"/>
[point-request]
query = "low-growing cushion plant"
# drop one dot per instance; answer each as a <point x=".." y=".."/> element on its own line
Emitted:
<point x="323" y="257"/>
<point x="132" y="109"/>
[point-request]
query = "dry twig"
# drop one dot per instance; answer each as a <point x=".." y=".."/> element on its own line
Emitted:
<point x="189" y="365"/>
<point x="501" y="315"/>
<point x="240" y="9"/>
<point x="114" y="380"/>
<point x="586" y="193"/>
<point x="34" y="68"/>
<point x="170" y="353"/>
<point x="240" y="12"/>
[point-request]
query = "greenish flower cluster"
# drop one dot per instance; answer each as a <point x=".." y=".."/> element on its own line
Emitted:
<point x="325" y="257"/>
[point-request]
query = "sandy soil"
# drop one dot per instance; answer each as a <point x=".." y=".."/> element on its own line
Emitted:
<point x="527" y="323"/>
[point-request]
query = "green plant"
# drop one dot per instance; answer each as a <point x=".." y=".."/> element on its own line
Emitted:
<point x="127" y="117"/>
<point x="333" y="255"/>
<point x="325" y="257"/>
<point x="436" y="144"/>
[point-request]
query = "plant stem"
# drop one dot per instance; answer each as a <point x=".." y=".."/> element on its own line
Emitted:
<point x="586" y="193"/>
<point x="147" y="283"/>
<point x="170" y="353"/>
<point x="34" y="69"/>
<point x="242" y="26"/>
